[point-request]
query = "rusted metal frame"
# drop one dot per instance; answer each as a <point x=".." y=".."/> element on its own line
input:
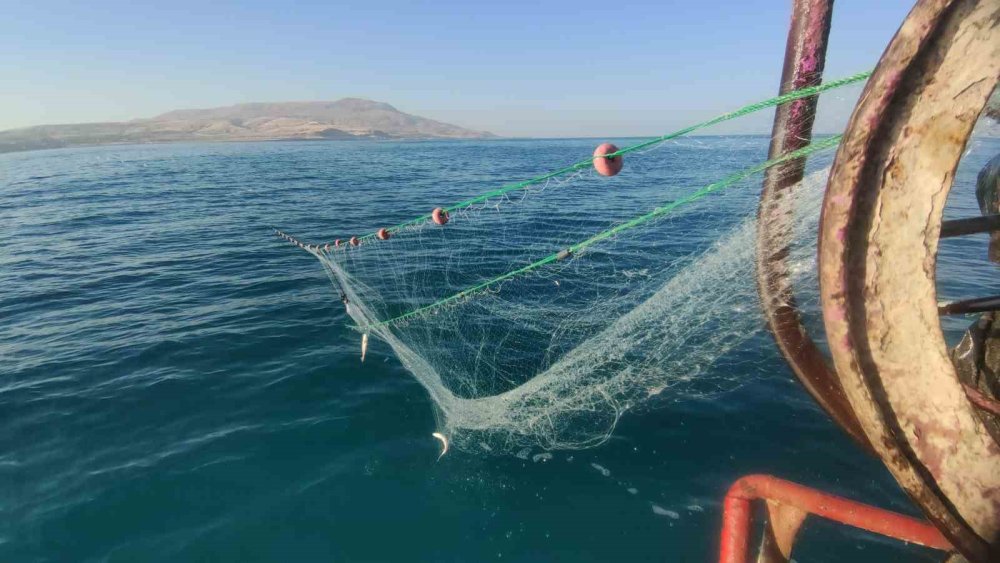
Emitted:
<point x="970" y="226"/>
<point x="878" y="244"/>
<point x="805" y="54"/>
<point x="966" y="306"/>
<point x="795" y="502"/>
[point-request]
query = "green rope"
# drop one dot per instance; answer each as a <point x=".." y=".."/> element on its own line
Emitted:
<point x="631" y="224"/>
<point x="745" y="110"/>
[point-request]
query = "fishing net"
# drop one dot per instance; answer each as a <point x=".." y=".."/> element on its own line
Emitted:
<point x="538" y="315"/>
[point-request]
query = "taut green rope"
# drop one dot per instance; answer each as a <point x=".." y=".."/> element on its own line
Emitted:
<point x="631" y="224"/>
<point x="745" y="110"/>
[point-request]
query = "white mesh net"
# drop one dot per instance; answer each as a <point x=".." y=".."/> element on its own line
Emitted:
<point x="554" y="355"/>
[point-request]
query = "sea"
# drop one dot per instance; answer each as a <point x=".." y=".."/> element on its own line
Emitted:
<point x="177" y="384"/>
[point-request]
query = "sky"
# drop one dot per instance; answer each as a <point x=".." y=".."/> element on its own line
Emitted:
<point x="533" y="68"/>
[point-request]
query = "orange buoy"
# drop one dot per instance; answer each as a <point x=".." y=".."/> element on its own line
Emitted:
<point x="336" y="243"/>
<point x="383" y="234"/>
<point x="607" y="166"/>
<point x="440" y="216"/>
<point x="355" y="241"/>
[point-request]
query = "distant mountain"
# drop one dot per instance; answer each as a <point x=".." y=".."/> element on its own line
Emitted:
<point x="349" y="118"/>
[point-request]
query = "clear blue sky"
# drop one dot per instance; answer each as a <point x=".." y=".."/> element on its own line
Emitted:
<point x="536" y="68"/>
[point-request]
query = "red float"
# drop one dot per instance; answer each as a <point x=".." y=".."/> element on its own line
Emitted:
<point x="440" y="216"/>
<point x="607" y="166"/>
<point x="354" y="241"/>
<point x="383" y="234"/>
<point x="336" y="243"/>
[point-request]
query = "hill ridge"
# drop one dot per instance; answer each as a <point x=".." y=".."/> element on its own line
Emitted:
<point x="343" y="119"/>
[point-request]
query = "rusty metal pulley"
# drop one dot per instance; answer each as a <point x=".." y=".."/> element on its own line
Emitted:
<point x="878" y="244"/>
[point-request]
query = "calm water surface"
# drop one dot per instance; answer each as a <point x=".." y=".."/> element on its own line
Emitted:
<point x="177" y="385"/>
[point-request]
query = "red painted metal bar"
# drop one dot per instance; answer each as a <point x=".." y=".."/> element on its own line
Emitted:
<point x="736" y="516"/>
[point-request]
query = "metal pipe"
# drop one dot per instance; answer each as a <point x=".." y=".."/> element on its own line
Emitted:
<point x="805" y="55"/>
<point x="970" y="226"/>
<point x="966" y="306"/>
<point x="737" y="515"/>
<point x="976" y="397"/>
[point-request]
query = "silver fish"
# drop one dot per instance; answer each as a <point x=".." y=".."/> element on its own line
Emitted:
<point x="444" y="442"/>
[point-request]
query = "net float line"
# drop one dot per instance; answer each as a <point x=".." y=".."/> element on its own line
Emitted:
<point x="665" y="209"/>
<point x="608" y="160"/>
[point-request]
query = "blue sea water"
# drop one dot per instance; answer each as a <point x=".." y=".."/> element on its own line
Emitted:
<point x="178" y="385"/>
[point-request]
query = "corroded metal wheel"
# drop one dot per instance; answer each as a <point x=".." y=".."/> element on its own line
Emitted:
<point x="878" y="246"/>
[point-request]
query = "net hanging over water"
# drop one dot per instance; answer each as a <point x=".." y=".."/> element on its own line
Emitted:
<point x="541" y="311"/>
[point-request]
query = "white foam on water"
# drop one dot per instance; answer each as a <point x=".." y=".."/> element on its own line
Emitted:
<point x="659" y="510"/>
<point x="601" y="469"/>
